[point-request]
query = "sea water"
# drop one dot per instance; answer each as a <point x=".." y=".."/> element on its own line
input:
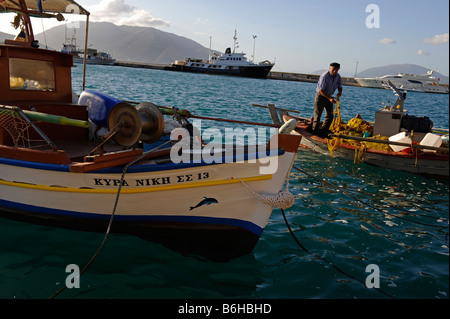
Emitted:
<point x="358" y="225"/>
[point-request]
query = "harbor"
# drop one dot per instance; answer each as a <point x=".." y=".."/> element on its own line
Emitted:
<point x="133" y="183"/>
<point x="351" y="233"/>
<point x="273" y="75"/>
<point x="285" y="76"/>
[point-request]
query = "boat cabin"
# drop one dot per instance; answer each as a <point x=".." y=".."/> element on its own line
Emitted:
<point x="32" y="74"/>
<point x="40" y="80"/>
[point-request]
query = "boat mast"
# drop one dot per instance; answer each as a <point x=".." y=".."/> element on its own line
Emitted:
<point x="209" y="57"/>
<point x="235" y="43"/>
<point x="85" y="52"/>
<point x="254" y="45"/>
<point x="29" y="35"/>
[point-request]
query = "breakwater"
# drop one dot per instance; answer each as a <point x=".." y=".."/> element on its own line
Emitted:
<point x="302" y="77"/>
<point x="286" y="76"/>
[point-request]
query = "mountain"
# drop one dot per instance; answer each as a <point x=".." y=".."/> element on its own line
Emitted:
<point x="125" y="43"/>
<point x="4" y="36"/>
<point x="150" y="45"/>
<point x="343" y="74"/>
<point x="393" y="69"/>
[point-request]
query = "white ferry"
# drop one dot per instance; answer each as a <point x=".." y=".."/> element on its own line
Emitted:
<point x="229" y="63"/>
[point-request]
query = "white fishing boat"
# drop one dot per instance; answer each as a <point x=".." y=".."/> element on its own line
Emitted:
<point x="57" y="167"/>
<point x="229" y="63"/>
<point x="426" y="83"/>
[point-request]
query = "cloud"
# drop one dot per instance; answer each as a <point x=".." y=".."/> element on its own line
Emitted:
<point x="120" y="13"/>
<point x="422" y="52"/>
<point x="386" y="41"/>
<point x="201" y="34"/>
<point x="437" y="39"/>
<point x="202" y="21"/>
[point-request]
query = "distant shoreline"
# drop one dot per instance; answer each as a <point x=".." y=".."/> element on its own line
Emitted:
<point x="285" y="76"/>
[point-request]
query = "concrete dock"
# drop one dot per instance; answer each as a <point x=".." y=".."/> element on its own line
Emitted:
<point x="302" y="77"/>
<point x="284" y="76"/>
<point x="143" y="65"/>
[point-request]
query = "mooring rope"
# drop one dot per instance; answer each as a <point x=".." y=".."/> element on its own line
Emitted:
<point x="283" y="200"/>
<point x="125" y="169"/>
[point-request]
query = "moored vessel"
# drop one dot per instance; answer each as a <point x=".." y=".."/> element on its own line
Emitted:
<point x="96" y="163"/>
<point x="229" y="63"/>
<point x="395" y="140"/>
<point x="426" y="83"/>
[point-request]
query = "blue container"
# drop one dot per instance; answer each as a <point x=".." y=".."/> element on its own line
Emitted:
<point x="99" y="106"/>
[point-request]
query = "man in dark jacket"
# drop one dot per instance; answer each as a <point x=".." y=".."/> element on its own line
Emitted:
<point x="327" y="85"/>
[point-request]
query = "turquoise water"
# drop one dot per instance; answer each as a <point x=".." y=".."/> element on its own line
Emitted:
<point x="397" y="221"/>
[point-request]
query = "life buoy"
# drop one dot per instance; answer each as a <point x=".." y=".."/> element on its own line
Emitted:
<point x="288" y="127"/>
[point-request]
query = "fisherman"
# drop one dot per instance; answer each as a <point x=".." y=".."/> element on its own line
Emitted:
<point x="327" y="85"/>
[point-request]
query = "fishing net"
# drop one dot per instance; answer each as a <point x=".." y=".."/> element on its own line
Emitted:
<point x="355" y="127"/>
<point x="13" y="123"/>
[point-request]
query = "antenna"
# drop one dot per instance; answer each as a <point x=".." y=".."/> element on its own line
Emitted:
<point x="235" y="44"/>
<point x="254" y="45"/>
<point x="209" y="57"/>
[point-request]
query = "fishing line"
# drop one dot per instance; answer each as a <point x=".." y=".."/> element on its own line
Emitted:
<point x="326" y="260"/>
<point x="369" y="205"/>
<point x="140" y="157"/>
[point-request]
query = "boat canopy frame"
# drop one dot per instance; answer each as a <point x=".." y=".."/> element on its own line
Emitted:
<point x="46" y="9"/>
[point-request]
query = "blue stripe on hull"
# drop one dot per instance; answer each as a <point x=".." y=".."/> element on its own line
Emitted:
<point x="141" y="168"/>
<point x="133" y="218"/>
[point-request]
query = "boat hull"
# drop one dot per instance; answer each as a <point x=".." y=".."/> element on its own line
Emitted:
<point x="205" y="209"/>
<point x="79" y="60"/>
<point x="217" y="242"/>
<point x="243" y="71"/>
<point x="426" y="163"/>
<point x="409" y="85"/>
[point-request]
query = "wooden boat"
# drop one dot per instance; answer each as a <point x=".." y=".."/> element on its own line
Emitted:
<point x="411" y="155"/>
<point x="55" y="171"/>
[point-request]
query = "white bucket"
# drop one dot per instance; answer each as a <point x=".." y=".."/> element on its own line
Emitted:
<point x="401" y="138"/>
<point x="431" y="140"/>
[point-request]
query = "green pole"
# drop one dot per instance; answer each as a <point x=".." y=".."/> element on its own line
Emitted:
<point x="49" y="118"/>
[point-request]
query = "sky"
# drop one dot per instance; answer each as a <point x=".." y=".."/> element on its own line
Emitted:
<point x="298" y="35"/>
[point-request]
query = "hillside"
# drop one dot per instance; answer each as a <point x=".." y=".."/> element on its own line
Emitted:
<point x="125" y="43"/>
<point x="4" y="36"/>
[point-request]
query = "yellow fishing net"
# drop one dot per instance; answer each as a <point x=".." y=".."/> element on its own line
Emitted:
<point x="355" y="127"/>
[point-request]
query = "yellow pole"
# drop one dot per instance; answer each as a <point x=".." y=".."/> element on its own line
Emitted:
<point x="85" y="52"/>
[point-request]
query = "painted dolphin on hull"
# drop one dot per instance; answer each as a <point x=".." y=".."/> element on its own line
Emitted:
<point x="206" y="201"/>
